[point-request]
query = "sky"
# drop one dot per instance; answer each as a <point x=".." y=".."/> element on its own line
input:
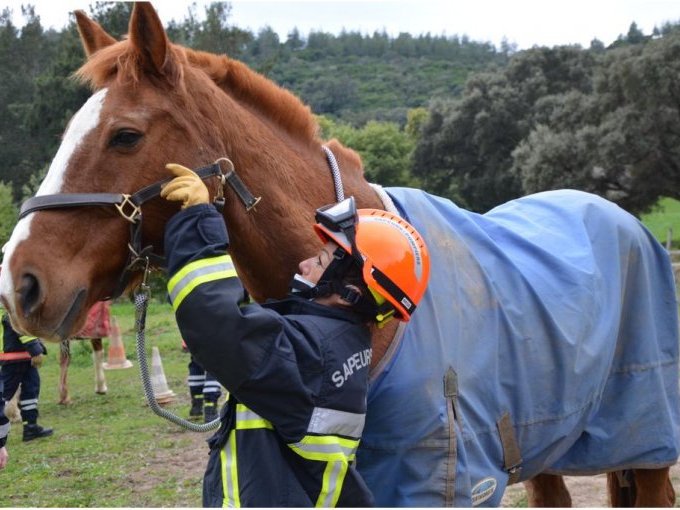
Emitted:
<point x="524" y="23"/>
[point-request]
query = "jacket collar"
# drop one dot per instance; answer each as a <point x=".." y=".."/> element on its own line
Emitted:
<point x="293" y="305"/>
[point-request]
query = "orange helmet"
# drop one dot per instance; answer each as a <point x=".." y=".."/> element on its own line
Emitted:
<point x="396" y="263"/>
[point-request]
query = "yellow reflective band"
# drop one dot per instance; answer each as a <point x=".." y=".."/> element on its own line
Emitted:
<point x="331" y="487"/>
<point x="326" y="448"/>
<point x="196" y="273"/>
<point x="254" y="424"/>
<point x="25" y="339"/>
<point x="230" y="490"/>
<point x="248" y="419"/>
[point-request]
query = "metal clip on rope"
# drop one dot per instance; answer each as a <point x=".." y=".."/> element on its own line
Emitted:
<point x="142" y="294"/>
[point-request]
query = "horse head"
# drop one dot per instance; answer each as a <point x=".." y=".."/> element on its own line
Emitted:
<point x="155" y="103"/>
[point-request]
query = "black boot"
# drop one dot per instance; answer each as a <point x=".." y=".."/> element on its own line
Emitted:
<point x="209" y="412"/>
<point x="196" y="408"/>
<point x="34" y="431"/>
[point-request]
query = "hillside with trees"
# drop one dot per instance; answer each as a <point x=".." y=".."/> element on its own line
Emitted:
<point x="457" y="117"/>
<point x="350" y="77"/>
<point x="600" y="120"/>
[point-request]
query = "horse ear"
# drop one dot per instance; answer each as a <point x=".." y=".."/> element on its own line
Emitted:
<point x="92" y="35"/>
<point x="148" y="37"/>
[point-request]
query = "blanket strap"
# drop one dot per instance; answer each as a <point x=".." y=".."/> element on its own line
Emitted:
<point x="512" y="457"/>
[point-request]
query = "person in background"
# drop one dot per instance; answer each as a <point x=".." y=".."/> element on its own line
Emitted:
<point x="204" y="390"/>
<point x="296" y="369"/>
<point x="20" y="358"/>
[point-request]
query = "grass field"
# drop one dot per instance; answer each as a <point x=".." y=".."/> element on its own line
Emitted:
<point x="666" y="216"/>
<point x="109" y="450"/>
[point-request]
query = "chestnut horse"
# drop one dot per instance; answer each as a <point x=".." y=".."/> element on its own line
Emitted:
<point x="155" y="103"/>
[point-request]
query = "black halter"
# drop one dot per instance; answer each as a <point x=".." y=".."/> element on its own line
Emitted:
<point x="129" y="207"/>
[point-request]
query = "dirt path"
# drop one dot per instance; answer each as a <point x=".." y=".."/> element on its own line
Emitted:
<point x="182" y="466"/>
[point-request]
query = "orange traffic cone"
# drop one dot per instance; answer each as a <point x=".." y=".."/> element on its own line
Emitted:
<point x="116" y="358"/>
<point x="163" y="394"/>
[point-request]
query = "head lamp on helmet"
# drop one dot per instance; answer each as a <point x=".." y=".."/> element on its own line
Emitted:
<point x="342" y="219"/>
<point x="340" y="216"/>
<point x="392" y="255"/>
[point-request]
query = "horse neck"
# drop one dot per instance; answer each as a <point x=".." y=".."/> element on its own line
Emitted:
<point x="290" y="172"/>
<point x="292" y="176"/>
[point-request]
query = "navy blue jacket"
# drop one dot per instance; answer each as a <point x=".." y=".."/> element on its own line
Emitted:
<point x="297" y="373"/>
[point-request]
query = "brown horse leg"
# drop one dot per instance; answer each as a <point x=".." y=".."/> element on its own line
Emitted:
<point x="64" y="361"/>
<point x="641" y="488"/>
<point x="547" y="491"/>
<point x="98" y="359"/>
<point x="12" y="407"/>
<point x="654" y="488"/>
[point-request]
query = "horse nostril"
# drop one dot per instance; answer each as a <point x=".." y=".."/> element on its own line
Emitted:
<point x="29" y="293"/>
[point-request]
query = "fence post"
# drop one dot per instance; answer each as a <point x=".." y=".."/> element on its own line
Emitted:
<point x="669" y="238"/>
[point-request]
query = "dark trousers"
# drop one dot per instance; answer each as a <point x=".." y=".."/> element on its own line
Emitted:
<point x="23" y="373"/>
<point x="202" y="384"/>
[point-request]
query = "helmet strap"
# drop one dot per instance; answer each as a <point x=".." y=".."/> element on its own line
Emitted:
<point x="351" y="234"/>
<point x="332" y="282"/>
<point x="300" y="286"/>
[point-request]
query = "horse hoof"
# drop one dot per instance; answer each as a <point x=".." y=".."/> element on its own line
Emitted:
<point x="65" y="401"/>
<point x="101" y="392"/>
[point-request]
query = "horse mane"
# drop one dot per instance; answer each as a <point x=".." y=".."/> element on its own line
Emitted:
<point x="233" y="77"/>
<point x="258" y="92"/>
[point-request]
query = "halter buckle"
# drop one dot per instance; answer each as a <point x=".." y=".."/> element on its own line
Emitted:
<point x="242" y="192"/>
<point x="129" y="210"/>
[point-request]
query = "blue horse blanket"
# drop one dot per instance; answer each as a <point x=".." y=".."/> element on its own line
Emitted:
<point x="557" y="310"/>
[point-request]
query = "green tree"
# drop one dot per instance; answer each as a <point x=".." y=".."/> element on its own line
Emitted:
<point x="329" y="95"/>
<point x="385" y="149"/>
<point x="415" y="120"/>
<point x="24" y="54"/>
<point x="214" y="34"/>
<point x="466" y="151"/>
<point x="114" y="16"/>
<point x="622" y="141"/>
<point x="8" y="212"/>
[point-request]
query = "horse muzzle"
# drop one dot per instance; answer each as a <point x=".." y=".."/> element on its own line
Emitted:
<point x="36" y="311"/>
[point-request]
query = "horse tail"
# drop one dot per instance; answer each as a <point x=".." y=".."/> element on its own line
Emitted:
<point x="621" y="488"/>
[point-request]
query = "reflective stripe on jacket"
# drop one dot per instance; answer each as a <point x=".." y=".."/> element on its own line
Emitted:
<point x="316" y="471"/>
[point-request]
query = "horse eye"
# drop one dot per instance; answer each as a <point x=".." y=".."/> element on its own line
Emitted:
<point x="125" y="139"/>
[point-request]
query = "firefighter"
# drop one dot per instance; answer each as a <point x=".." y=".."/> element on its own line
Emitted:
<point x="204" y="390"/>
<point x="20" y="358"/>
<point x="296" y="369"/>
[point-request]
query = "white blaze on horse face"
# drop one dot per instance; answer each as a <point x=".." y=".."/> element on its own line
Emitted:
<point x="82" y="123"/>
